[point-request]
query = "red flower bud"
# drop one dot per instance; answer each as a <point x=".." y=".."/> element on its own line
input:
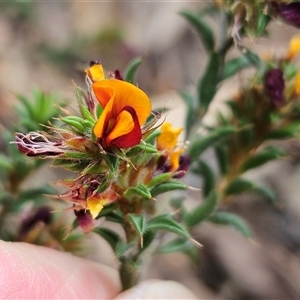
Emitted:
<point x="274" y="86"/>
<point x="289" y="12"/>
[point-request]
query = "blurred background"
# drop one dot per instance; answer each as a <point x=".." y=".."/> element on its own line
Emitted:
<point x="49" y="44"/>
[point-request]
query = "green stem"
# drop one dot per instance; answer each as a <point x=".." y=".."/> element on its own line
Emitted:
<point x="129" y="273"/>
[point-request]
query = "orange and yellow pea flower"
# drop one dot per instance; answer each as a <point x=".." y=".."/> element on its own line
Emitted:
<point x="167" y="143"/>
<point x="125" y="110"/>
<point x="294" y="47"/>
<point x="297" y="84"/>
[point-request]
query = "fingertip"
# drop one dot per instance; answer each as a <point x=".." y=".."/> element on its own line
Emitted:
<point x="34" y="272"/>
<point x="157" y="289"/>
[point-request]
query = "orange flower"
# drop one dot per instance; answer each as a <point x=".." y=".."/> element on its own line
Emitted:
<point x="297" y="84"/>
<point x="125" y="109"/>
<point x="294" y="47"/>
<point x="167" y="143"/>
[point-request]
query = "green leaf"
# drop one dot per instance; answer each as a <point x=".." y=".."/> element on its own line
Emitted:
<point x="200" y="144"/>
<point x="262" y="157"/>
<point x="5" y="162"/>
<point x="247" y="135"/>
<point x="170" y="185"/>
<point x="141" y="190"/>
<point x="76" y="164"/>
<point x="203" y="169"/>
<point x="151" y="138"/>
<point x="164" y="222"/>
<point x="207" y="85"/>
<point x="221" y="152"/>
<point x="238" y="185"/>
<point x="158" y="179"/>
<point x="122" y="248"/>
<point x="32" y="194"/>
<point x="112" y="160"/>
<point x="289" y="70"/>
<point x="253" y="58"/>
<point x="234" y="108"/>
<point x="74" y="122"/>
<point x="86" y="114"/>
<point x="202" y="28"/>
<point x="76" y="155"/>
<point x="148" y="237"/>
<point x="266" y="193"/>
<point x="141" y="149"/>
<point x="107" y="209"/>
<point x="88" y="125"/>
<point x="110" y="236"/>
<point x="112" y="217"/>
<point x="235" y="65"/>
<point x="230" y="219"/>
<point x="202" y="212"/>
<point x="262" y="22"/>
<point x="281" y="133"/>
<point x="138" y="222"/>
<point x="191" y="110"/>
<point x="176" y="245"/>
<point x="132" y="68"/>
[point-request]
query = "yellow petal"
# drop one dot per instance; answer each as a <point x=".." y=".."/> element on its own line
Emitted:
<point x="294" y="47"/>
<point x="174" y="159"/>
<point x="167" y="139"/>
<point x="95" y="72"/>
<point x="103" y="121"/>
<point x="95" y="206"/>
<point x="297" y="84"/>
<point x="125" y="94"/>
<point x="123" y="125"/>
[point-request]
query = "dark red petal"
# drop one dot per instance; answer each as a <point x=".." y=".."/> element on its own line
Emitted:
<point x="290" y="12"/>
<point x="85" y="219"/>
<point x="274" y="86"/>
<point x="132" y="138"/>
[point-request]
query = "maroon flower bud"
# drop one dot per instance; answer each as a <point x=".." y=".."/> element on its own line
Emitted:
<point x="184" y="163"/>
<point x="84" y="219"/>
<point x="118" y="75"/>
<point x="274" y="86"/>
<point x="36" y="144"/>
<point x="289" y="12"/>
<point x="42" y="214"/>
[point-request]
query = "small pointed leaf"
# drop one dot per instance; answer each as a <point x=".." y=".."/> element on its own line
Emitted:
<point x="138" y="191"/>
<point x="235" y="65"/>
<point x="164" y="222"/>
<point x="170" y="185"/>
<point x="138" y="222"/>
<point x="132" y="68"/>
<point x="202" y="28"/>
<point x="266" y="193"/>
<point x="226" y="218"/>
<point x="110" y="236"/>
<point x="201" y="212"/>
<point x="207" y="85"/>
<point x="176" y="245"/>
<point x="200" y="144"/>
<point x="238" y="185"/>
<point x="221" y="152"/>
<point x="191" y="110"/>
<point x="262" y="157"/>
<point x="203" y="169"/>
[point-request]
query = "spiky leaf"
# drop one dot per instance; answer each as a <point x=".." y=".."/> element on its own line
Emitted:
<point x="201" y="212"/>
<point x="230" y="219"/>
<point x="202" y="28"/>
<point x="164" y="222"/>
